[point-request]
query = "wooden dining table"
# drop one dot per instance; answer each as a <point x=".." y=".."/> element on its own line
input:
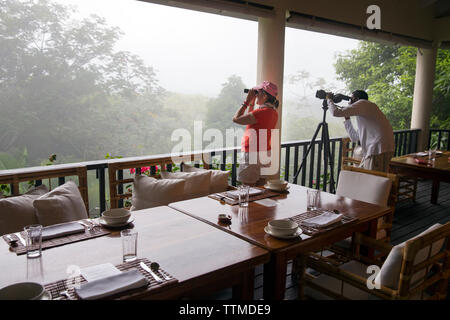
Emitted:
<point x="437" y="170"/>
<point x="248" y="224"/>
<point x="202" y="258"/>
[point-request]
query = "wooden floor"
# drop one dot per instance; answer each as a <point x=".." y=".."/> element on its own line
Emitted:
<point x="410" y="219"/>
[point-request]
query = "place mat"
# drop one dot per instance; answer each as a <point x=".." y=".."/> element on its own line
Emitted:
<point x="96" y="231"/>
<point x="314" y="213"/>
<point x="55" y="288"/>
<point x="265" y="194"/>
<point x="425" y="154"/>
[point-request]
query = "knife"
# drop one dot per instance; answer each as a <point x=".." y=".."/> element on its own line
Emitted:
<point x="21" y="239"/>
<point x="146" y="268"/>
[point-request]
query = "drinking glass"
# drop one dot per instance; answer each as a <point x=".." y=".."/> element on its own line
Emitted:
<point x="129" y="245"/>
<point x="312" y="199"/>
<point x="432" y="154"/>
<point x="243" y="195"/>
<point x="35" y="270"/>
<point x="34" y="240"/>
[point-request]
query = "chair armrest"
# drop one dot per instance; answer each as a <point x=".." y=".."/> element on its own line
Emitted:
<point x="317" y="262"/>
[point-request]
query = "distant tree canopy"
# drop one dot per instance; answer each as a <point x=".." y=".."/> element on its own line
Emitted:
<point x="65" y="89"/>
<point x="222" y="109"/>
<point x="387" y="73"/>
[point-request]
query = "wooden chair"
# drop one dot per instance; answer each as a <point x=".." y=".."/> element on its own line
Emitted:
<point x="14" y="177"/>
<point x="348" y="158"/>
<point x="416" y="269"/>
<point x="116" y="167"/>
<point x="384" y="226"/>
<point x="407" y="186"/>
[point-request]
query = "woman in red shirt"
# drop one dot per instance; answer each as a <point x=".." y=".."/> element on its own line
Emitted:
<point x="256" y="142"/>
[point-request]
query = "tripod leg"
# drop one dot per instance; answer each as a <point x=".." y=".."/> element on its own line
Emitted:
<point x="307" y="151"/>
<point x="327" y="151"/>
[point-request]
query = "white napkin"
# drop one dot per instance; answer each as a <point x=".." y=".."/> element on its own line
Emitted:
<point x="267" y="202"/>
<point x="252" y="192"/>
<point x="62" y="229"/>
<point x="108" y="286"/>
<point x="324" y="220"/>
<point x="421" y="154"/>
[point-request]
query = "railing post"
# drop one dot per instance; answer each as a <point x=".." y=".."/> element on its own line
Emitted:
<point x="101" y="188"/>
<point x="234" y="168"/>
<point x="286" y="162"/>
<point x="120" y="187"/>
<point x="295" y="163"/>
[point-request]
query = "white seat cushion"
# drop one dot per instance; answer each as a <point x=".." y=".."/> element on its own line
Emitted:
<point x="197" y="183"/>
<point x="389" y="274"/>
<point x="18" y="212"/>
<point x="335" y="285"/>
<point x="219" y="179"/>
<point x="364" y="187"/>
<point x="150" y="192"/>
<point x="62" y="204"/>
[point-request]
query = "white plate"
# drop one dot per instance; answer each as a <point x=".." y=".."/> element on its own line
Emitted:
<point x="295" y="235"/>
<point x="104" y="223"/>
<point x="275" y="189"/>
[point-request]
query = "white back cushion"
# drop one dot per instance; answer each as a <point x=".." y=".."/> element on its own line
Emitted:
<point x="150" y="192"/>
<point x="197" y="183"/>
<point x="18" y="212"/>
<point x="62" y="204"/>
<point x="219" y="179"/>
<point x="364" y="187"/>
<point x="390" y="271"/>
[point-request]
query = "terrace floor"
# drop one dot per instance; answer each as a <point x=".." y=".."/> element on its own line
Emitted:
<point x="410" y="219"/>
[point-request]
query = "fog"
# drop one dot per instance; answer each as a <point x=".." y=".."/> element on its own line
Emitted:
<point x="194" y="52"/>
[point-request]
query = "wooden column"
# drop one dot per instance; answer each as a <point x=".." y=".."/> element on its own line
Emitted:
<point x="423" y="94"/>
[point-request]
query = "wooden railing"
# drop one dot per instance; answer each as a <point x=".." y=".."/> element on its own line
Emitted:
<point x="313" y="174"/>
<point x="439" y="138"/>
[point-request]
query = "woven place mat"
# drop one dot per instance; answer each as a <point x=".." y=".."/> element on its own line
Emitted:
<point x="95" y="232"/>
<point x="314" y="213"/>
<point x="55" y="288"/>
<point x="263" y="195"/>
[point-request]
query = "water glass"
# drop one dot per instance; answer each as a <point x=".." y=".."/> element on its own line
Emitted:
<point x="129" y="245"/>
<point x="243" y="191"/>
<point x="431" y="154"/>
<point x="34" y="240"/>
<point x="313" y="199"/>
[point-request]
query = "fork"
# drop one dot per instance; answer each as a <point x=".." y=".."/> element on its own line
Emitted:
<point x="66" y="294"/>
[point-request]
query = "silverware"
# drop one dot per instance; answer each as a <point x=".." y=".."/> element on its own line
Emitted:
<point x="155" y="267"/>
<point x="84" y="224"/>
<point x="65" y="294"/>
<point x="221" y="196"/>
<point x="22" y="240"/>
<point x="146" y="268"/>
<point x="12" y="241"/>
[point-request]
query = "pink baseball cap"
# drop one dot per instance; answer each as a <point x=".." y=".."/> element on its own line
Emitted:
<point x="269" y="87"/>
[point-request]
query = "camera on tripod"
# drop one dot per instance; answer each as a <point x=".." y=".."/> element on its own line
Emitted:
<point x="321" y="94"/>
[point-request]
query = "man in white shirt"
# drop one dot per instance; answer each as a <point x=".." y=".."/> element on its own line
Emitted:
<point x="374" y="130"/>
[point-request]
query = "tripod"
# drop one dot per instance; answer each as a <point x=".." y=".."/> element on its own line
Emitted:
<point x="326" y="148"/>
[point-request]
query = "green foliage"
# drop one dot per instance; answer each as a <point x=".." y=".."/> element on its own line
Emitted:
<point x="65" y="88"/>
<point x="222" y="109"/>
<point x="387" y="73"/>
<point x="14" y="159"/>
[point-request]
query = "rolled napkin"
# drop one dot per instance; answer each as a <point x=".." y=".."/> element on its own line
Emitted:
<point x="109" y="286"/>
<point x="324" y="220"/>
<point x="252" y="192"/>
<point x="60" y="230"/>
